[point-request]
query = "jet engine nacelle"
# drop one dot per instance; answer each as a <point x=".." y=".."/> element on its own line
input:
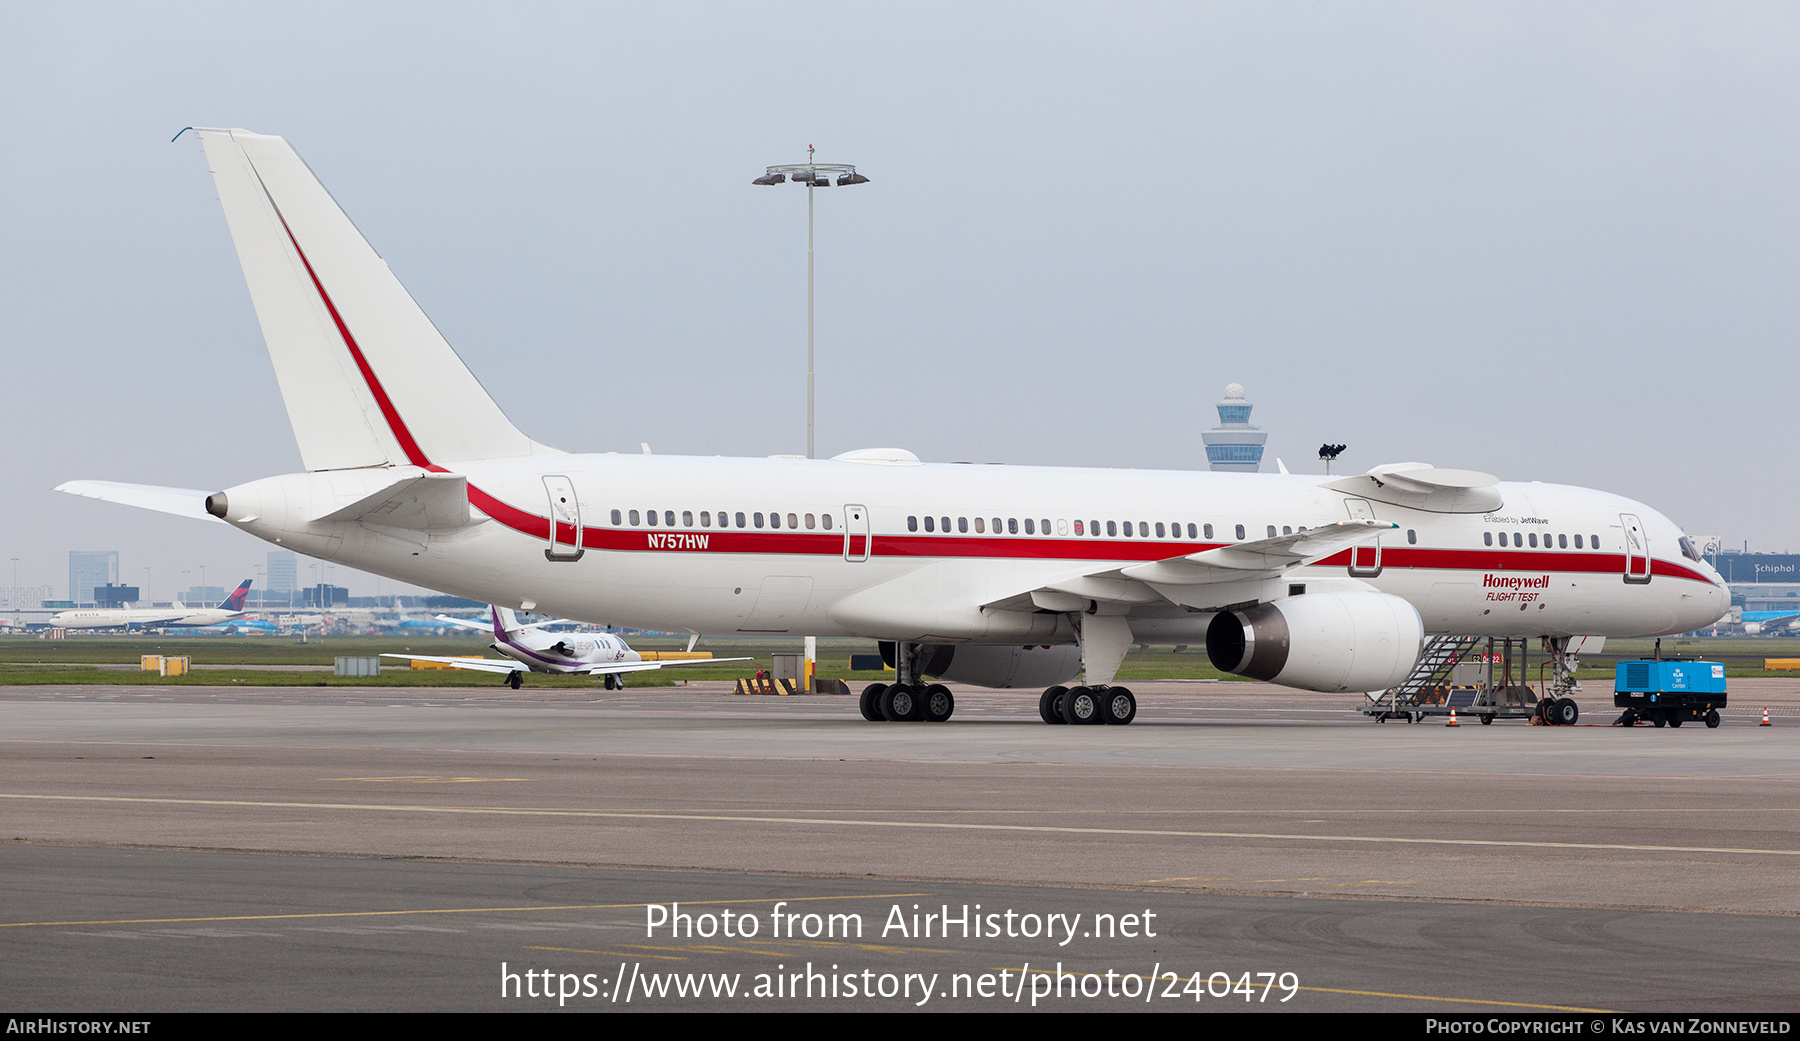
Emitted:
<point x="1322" y="641"/>
<point x="1006" y="666"/>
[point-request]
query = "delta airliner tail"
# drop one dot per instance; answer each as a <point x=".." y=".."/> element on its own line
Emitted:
<point x="352" y="350"/>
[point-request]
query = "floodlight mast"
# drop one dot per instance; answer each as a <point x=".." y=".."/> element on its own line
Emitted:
<point x="813" y="175"/>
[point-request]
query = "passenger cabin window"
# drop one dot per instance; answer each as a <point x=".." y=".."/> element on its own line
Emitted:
<point x="825" y="519"/>
<point x="1412" y="537"/>
<point x="650" y="516"/>
<point x="792" y="521"/>
<point x="634" y="518"/>
<point x="756" y="518"/>
<point x="774" y="519"/>
<point x="928" y="523"/>
<point x="980" y="526"/>
<point x="1518" y="540"/>
<point x="1192" y="535"/>
<point x="615" y="518"/>
<point x="1028" y="527"/>
<point x="912" y="524"/>
<point x="1240" y="531"/>
<point x="706" y="518"/>
<point x="946" y="524"/>
<point x="1159" y="529"/>
<point x="1112" y="528"/>
<point x="1578" y="542"/>
<point x="1208" y="531"/>
<point x="687" y="518"/>
<point x="962" y="524"/>
<point x="1562" y="542"/>
<point x="1077" y="527"/>
<point x="809" y="522"/>
<point x="740" y="520"/>
<point x="1532" y="540"/>
<point x="1012" y="525"/>
<point x="1487" y="538"/>
<point x="1043" y="526"/>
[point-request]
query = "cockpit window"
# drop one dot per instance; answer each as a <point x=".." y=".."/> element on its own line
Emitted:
<point x="1688" y="550"/>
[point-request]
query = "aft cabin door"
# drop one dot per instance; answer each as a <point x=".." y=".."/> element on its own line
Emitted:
<point x="1637" y="549"/>
<point x="856" y="534"/>
<point x="565" y="519"/>
<point x="1365" y="558"/>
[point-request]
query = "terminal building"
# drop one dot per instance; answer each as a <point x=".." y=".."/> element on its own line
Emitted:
<point x="1761" y="581"/>
<point x="1234" y="446"/>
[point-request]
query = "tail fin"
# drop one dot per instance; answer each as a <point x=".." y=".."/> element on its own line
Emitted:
<point x="367" y="379"/>
<point x="506" y="623"/>
<point x="235" y="602"/>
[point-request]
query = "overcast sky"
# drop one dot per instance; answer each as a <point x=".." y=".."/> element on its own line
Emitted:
<point x="1550" y="241"/>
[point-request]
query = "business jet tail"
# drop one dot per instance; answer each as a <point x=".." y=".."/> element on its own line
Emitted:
<point x="367" y="379"/>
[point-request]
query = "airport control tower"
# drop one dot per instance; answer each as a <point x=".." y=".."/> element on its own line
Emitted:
<point x="1234" y="445"/>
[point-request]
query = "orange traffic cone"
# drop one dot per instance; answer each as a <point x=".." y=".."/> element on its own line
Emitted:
<point x="1453" y="722"/>
<point x="1765" y="721"/>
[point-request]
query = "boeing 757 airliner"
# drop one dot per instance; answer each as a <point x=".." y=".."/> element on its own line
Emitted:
<point x="1000" y="576"/>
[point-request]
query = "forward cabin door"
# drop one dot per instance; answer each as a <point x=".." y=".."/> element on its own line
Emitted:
<point x="1637" y="549"/>
<point x="858" y="543"/>
<point x="1365" y="558"/>
<point x="565" y="519"/>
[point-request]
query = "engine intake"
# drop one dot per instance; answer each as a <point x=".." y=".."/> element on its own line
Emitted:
<point x="1324" y="641"/>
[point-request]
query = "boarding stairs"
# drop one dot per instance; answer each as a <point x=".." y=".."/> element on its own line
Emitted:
<point x="1433" y="668"/>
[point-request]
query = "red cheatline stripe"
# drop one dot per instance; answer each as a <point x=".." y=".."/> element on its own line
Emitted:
<point x="414" y="454"/>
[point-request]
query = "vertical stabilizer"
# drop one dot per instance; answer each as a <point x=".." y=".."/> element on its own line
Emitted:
<point x="506" y="623"/>
<point x="235" y="602"/>
<point x="367" y="379"/>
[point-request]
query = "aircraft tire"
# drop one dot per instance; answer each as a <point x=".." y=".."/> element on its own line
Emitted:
<point x="1050" y="705"/>
<point x="902" y="704"/>
<point x="1118" y="706"/>
<point x="1712" y="719"/>
<point x="870" y="702"/>
<point x="1566" y="711"/>
<point x="1081" y="705"/>
<point x="937" y="704"/>
<point x="513" y="680"/>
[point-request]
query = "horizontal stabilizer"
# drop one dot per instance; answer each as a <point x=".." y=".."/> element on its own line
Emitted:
<point x="182" y="502"/>
<point x="431" y="502"/>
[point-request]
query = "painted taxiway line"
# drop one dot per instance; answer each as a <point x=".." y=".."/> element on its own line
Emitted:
<point x="529" y="811"/>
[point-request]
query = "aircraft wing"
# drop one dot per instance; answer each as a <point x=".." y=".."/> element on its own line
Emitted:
<point x="1152" y="581"/>
<point x="614" y="668"/>
<point x="477" y="664"/>
<point x="183" y="502"/>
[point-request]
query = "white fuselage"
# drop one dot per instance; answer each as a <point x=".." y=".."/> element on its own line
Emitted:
<point x="146" y="617"/>
<point x="822" y="573"/>
<point x="563" y="652"/>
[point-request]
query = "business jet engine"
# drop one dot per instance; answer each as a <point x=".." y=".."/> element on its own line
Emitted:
<point x="1322" y="641"/>
<point x="1006" y="666"/>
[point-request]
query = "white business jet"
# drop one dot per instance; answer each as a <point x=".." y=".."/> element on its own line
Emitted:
<point x="564" y="654"/>
<point x="999" y="576"/>
<point x="177" y="616"/>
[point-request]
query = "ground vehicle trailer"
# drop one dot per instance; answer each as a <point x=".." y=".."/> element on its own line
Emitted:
<point x="1669" y="691"/>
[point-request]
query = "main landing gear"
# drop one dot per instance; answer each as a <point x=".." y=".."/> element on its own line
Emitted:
<point x="909" y="699"/>
<point x="907" y="703"/>
<point x="1082" y="705"/>
<point x="512" y="680"/>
